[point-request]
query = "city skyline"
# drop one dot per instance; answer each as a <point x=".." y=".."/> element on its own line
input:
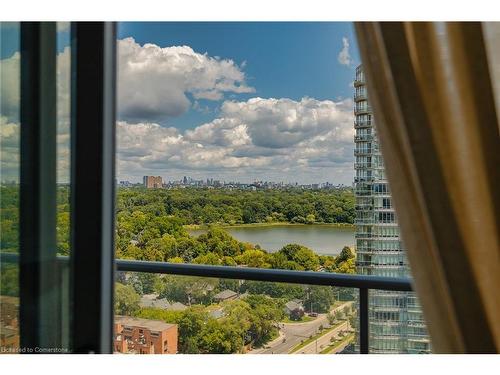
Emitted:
<point x="186" y="179"/>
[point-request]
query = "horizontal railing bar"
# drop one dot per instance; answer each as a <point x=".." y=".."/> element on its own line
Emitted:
<point x="265" y="274"/>
<point x="257" y="274"/>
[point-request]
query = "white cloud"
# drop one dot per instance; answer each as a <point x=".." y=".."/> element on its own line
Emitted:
<point x="280" y="123"/>
<point x="9" y="120"/>
<point x="9" y="149"/>
<point x="154" y="82"/>
<point x="344" y="56"/>
<point x="267" y="138"/>
<point x="10" y="87"/>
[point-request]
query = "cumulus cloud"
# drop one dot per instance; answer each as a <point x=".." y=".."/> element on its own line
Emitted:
<point x="280" y="123"/>
<point x="9" y="148"/>
<point x="9" y="120"/>
<point x="265" y="138"/>
<point x="155" y="83"/>
<point x="283" y="138"/>
<point x="10" y="87"/>
<point x="344" y="56"/>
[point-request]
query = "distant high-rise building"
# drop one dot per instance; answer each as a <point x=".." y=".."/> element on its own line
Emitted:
<point x="396" y="323"/>
<point x="152" y="182"/>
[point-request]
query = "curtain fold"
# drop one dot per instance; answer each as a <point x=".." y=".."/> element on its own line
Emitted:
<point x="434" y="109"/>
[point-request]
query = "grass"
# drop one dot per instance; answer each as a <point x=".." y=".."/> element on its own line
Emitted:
<point x="314" y="338"/>
<point x="304" y="319"/>
<point x="337" y="343"/>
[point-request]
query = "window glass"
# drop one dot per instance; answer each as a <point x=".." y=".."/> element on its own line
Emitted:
<point x="9" y="185"/>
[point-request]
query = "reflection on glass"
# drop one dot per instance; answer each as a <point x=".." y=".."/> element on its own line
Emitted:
<point x="164" y="314"/>
<point x="9" y="180"/>
<point x="63" y="136"/>
<point x="397" y="324"/>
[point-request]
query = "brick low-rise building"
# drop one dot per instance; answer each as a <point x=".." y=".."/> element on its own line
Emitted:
<point x="144" y="336"/>
<point x="9" y="327"/>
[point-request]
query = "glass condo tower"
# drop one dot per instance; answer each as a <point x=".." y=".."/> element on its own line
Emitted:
<point x="396" y="322"/>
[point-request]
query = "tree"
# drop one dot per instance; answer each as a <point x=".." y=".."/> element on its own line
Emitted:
<point x="190" y="325"/>
<point x="310" y="219"/>
<point x="228" y="261"/>
<point x="9" y="280"/>
<point x="188" y="289"/>
<point x="331" y="318"/>
<point x="218" y="241"/>
<point x="339" y="314"/>
<point x="164" y="247"/>
<point x="253" y="258"/>
<point x="301" y="255"/>
<point x="126" y="300"/>
<point x="150" y="282"/>
<point x="209" y="258"/>
<point x="319" y="299"/>
<point x="345" y="254"/>
<point x="275" y="290"/>
<point x="266" y="313"/>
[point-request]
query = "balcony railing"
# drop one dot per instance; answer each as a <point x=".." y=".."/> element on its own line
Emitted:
<point x="362" y="124"/>
<point x="362" y="109"/>
<point x="363" y="165"/>
<point x="364" y="179"/>
<point x="364" y="137"/>
<point x="360" y="96"/>
<point x="359" y="81"/>
<point x="361" y="282"/>
<point x="363" y="151"/>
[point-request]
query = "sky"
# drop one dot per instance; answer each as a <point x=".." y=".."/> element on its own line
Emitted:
<point x="230" y="101"/>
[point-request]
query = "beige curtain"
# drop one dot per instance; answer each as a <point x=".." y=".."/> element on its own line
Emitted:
<point x="432" y="93"/>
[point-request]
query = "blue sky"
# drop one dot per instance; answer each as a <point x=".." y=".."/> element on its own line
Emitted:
<point x="232" y="101"/>
<point x="283" y="59"/>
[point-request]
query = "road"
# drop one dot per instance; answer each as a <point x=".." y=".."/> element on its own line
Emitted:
<point x="318" y="345"/>
<point x="294" y="333"/>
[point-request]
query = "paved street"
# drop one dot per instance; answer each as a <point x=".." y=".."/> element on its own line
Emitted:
<point x="294" y="333"/>
<point x="323" y="341"/>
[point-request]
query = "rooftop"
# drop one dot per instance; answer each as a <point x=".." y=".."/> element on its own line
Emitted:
<point x="153" y="325"/>
<point x="161" y="303"/>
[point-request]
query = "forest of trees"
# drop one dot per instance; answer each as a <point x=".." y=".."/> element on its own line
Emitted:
<point x="151" y="225"/>
<point x="224" y="206"/>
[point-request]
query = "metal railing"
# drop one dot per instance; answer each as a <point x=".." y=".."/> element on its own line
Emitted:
<point x="362" y="109"/>
<point x="361" y="282"/>
<point x="362" y="124"/>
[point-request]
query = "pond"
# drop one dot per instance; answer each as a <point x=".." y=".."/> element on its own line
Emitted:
<point x="323" y="239"/>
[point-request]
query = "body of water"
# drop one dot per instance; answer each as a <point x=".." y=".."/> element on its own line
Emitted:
<point x="323" y="239"/>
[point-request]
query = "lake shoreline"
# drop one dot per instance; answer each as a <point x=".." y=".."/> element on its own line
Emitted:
<point x="263" y="225"/>
<point x="323" y="239"/>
